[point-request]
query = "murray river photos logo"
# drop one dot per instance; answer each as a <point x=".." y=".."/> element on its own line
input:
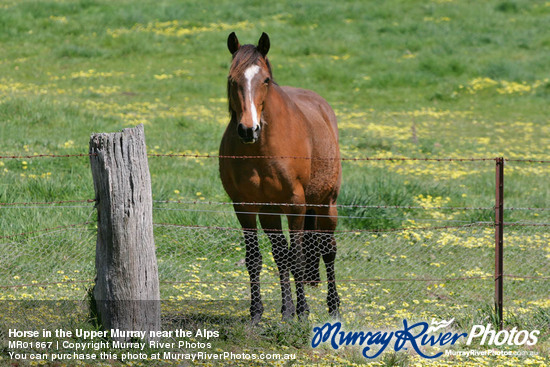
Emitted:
<point x="416" y="336"/>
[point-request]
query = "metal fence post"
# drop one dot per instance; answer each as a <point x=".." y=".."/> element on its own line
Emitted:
<point x="499" y="236"/>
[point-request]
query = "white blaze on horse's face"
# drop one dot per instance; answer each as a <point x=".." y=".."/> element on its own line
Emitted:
<point x="249" y="121"/>
<point x="249" y="74"/>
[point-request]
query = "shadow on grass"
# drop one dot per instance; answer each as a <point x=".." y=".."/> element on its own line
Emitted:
<point x="232" y="321"/>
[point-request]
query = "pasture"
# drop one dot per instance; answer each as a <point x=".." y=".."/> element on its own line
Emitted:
<point x="436" y="79"/>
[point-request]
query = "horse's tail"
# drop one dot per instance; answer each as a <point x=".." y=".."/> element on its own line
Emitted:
<point x="312" y="250"/>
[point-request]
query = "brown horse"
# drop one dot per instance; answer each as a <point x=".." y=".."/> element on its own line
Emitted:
<point x="291" y="138"/>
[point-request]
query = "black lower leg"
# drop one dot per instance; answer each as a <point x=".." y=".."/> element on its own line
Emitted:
<point x="254" y="266"/>
<point x="333" y="300"/>
<point x="298" y="264"/>
<point x="281" y="254"/>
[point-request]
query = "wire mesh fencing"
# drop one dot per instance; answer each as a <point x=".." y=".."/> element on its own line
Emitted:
<point x="425" y="262"/>
<point x="52" y="264"/>
<point x="45" y="278"/>
<point x="527" y="274"/>
<point x="381" y="276"/>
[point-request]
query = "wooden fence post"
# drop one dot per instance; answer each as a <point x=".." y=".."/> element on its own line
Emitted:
<point x="126" y="291"/>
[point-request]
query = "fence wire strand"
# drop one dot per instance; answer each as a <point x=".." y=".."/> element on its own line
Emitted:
<point x="47" y="156"/>
<point x="344" y="206"/>
<point x="44" y="230"/>
<point x="47" y="203"/>
<point x="343" y="159"/>
<point x="217" y="156"/>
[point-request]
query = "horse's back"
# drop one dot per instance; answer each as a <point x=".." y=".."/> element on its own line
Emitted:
<point x="314" y="107"/>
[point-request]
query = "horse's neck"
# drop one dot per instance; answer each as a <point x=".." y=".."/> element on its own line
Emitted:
<point x="284" y="126"/>
<point x="277" y="106"/>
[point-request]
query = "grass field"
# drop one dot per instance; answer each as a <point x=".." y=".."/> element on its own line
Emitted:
<point x="423" y="79"/>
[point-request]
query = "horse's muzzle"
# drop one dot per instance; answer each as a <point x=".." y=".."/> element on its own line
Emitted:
<point x="248" y="135"/>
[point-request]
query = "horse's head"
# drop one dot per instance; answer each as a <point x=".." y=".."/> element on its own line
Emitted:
<point x="247" y="85"/>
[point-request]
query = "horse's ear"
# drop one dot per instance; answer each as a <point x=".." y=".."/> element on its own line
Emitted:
<point x="233" y="43"/>
<point x="263" y="44"/>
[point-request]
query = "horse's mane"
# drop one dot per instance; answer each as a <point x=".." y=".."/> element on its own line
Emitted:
<point x="246" y="56"/>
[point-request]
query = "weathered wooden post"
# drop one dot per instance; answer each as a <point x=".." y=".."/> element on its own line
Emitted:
<point x="126" y="292"/>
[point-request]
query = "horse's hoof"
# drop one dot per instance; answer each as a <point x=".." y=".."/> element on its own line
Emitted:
<point x="256" y="313"/>
<point x="255" y="319"/>
<point x="287" y="316"/>
<point x="303" y="312"/>
<point x="333" y="303"/>
<point x="288" y="312"/>
<point x="334" y="314"/>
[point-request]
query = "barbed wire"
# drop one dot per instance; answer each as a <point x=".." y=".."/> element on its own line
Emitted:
<point x="47" y="156"/>
<point x="528" y="209"/>
<point x="217" y="156"/>
<point x="525" y="276"/>
<point x="365" y="280"/>
<point x="380" y="230"/>
<point x="526" y="160"/>
<point x="211" y="203"/>
<point x="344" y="206"/>
<point x="349" y="206"/>
<point x="524" y="224"/>
<point x="316" y="215"/>
<point x="45" y="284"/>
<point x="45" y="203"/>
<point x="47" y="207"/>
<point x="44" y="230"/>
<point x="188" y="155"/>
<point x="357" y="280"/>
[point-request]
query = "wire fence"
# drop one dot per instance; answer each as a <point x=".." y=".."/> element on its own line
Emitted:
<point x="429" y="263"/>
<point x="343" y="159"/>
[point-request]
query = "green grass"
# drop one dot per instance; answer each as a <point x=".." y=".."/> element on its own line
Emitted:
<point x="406" y="79"/>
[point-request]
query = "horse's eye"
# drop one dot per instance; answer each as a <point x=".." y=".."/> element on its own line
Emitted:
<point x="266" y="81"/>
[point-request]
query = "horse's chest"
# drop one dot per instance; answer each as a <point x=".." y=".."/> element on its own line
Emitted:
<point x="258" y="184"/>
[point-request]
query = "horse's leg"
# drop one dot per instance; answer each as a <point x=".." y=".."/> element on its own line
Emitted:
<point x="253" y="261"/>
<point x="296" y="218"/>
<point x="312" y="252"/>
<point x="281" y="253"/>
<point x="327" y="224"/>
